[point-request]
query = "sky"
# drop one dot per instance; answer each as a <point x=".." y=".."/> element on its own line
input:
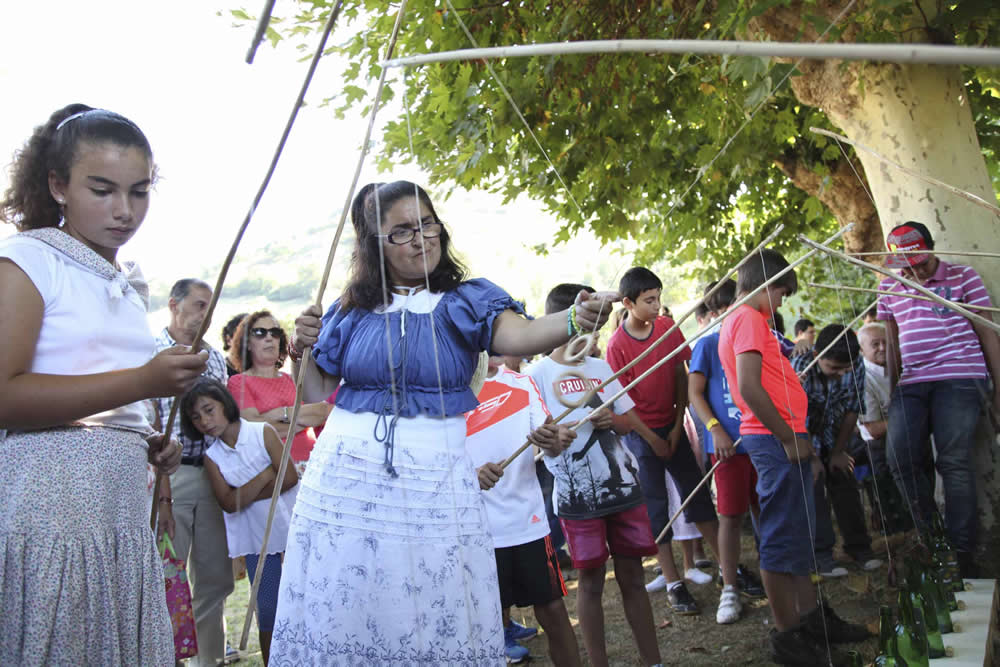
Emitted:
<point x="177" y="69"/>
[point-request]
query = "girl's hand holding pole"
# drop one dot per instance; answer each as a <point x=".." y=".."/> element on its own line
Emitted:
<point x="165" y="455"/>
<point x="173" y="371"/>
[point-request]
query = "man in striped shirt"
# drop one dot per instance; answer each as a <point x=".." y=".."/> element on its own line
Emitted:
<point x="938" y="364"/>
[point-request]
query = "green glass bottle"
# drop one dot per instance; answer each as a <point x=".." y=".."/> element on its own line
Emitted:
<point x="911" y="636"/>
<point x="942" y="575"/>
<point x="854" y="659"/>
<point x="888" y="653"/>
<point x="930" y="589"/>
<point x="941" y="546"/>
<point x="935" y="643"/>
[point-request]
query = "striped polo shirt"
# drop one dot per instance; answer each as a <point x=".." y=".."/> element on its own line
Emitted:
<point x="935" y="342"/>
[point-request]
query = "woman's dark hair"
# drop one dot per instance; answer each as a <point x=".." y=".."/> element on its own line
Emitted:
<point x="53" y="147"/>
<point x="364" y="289"/>
<point x="230" y="329"/>
<point x="239" y="350"/>
<point x="211" y="389"/>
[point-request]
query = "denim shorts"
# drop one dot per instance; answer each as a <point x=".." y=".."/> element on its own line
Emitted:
<point x="787" y="506"/>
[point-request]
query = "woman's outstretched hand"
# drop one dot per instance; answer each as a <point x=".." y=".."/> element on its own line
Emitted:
<point x="593" y="310"/>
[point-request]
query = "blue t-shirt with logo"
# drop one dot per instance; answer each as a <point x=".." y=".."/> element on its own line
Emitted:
<point x="705" y="360"/>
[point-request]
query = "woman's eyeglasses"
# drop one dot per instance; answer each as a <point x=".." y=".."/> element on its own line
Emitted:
<point x="261" y="332"/>
<point x="401" y="235"/>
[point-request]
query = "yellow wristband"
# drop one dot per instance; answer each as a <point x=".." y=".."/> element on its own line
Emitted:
<point x="711" y="423"/>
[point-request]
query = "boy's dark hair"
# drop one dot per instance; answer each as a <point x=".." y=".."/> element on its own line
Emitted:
<point x="364" y="288"/>
<point x="637" y="280"/>
<point x="701" y="311"/>
<point x="845" y="350"/>
<point x="211" y="389"/>
<point x="563" y="296"/>
<point x="723" y="297"/>
<point x="53" y="148"/>
<point x="760" y="268"/>
<point x="802" y="325"/>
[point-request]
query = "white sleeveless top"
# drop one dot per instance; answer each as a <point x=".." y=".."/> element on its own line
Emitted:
<point x="90" y="324"/>
<point x="238" y="465"/>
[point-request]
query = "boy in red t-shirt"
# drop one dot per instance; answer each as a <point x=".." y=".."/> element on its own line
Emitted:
<point x="773" y="406"/>
<point x="661" y="445"/>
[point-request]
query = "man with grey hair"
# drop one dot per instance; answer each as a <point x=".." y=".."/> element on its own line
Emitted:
<point x="188" y="509"/>
<point x="872" y="427"/>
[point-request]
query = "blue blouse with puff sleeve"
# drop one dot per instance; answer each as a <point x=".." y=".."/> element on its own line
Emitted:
<point x="352" y="345"/>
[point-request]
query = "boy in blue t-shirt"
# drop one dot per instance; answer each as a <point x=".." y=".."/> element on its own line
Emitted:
<point x="735" y="478"/>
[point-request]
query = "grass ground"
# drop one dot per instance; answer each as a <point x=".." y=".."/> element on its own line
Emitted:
<point x="684" y="640"/>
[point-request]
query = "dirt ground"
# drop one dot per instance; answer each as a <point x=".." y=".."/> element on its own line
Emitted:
<point x="686" y="640"/>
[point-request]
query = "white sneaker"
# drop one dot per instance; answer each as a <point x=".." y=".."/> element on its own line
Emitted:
<point x="871" y="564"/>
<point x="657" y="584"/>
<point x="697" y="577"/>
<point x="729" y="606"/>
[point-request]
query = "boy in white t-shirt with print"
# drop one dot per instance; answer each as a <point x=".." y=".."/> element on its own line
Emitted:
<point x="511" y="410"/>
<point x="597" y="494"/>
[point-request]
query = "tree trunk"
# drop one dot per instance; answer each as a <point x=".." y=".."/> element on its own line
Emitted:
<point x="918" y="116"/>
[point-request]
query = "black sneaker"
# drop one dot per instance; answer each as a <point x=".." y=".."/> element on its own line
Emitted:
<point x="795" y="647"/>
<point x="682" y="602"/>
<point x="747" y="583"/>
<point x="834" y="629"/>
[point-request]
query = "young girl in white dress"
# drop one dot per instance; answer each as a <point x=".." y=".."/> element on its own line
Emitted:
<point x="242" y="466"/>
<point x="80" y="578"/>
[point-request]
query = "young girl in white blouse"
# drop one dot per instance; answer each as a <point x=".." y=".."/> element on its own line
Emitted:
<point x="242" y="465"/>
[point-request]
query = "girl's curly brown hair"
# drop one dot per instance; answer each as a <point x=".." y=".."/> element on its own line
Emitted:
<point x="239" y="351"/>
<point x="27" y="203"/>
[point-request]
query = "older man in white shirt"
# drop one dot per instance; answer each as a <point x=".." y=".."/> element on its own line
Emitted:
<point x="872" y="426"/>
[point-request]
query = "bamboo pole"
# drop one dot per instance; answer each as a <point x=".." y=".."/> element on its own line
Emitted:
<point x="955" y="253"/>
<point x="224" y="271"/>
<point x="968" y="314"/>
<point x="921" y="297"/>
<point x="912" y="54"/>
<point x="307" y="353"/>
<point x="715" y="288"/>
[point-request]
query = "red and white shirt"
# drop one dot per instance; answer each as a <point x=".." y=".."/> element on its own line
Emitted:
<point x="935" y="342"/>
<point x="510" y="407"/>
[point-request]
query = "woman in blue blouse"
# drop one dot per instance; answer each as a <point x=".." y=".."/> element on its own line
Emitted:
<point x="388" y="558"/>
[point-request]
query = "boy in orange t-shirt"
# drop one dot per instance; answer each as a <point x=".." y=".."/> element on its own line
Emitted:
<point x="773" y="427"/>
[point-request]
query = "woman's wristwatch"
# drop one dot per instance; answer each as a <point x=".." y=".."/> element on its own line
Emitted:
<point x="293" y="351"/>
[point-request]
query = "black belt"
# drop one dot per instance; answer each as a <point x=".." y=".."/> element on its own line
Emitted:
<point x="193" y="461"/>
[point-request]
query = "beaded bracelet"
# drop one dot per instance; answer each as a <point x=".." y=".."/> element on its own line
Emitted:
<point x="293" y="351"/>
<point x="571" y="320"/>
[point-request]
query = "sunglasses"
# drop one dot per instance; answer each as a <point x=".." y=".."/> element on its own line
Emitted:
<point x="261" y="332"/>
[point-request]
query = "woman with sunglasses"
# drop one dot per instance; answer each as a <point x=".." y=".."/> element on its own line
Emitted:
<point x="265" y="394"/>
<point x="389" y="560"/>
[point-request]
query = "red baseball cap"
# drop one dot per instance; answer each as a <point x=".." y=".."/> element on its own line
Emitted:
<point x="909" y="236"/>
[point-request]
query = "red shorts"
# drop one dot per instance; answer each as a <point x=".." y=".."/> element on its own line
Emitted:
<point x="735" y="485"/>
<point x="625" y="533"/>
